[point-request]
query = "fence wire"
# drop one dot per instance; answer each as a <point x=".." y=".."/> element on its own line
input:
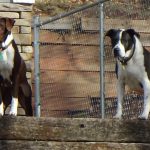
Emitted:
<point x="69" y="61"/>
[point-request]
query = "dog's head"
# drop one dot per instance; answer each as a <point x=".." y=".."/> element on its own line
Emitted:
<point x="6" y="25"/>
<point x="123" y="41"/>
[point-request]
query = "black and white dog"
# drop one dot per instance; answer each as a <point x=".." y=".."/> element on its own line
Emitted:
<point x="133" y="66"/>
<point x="14" y="86"/>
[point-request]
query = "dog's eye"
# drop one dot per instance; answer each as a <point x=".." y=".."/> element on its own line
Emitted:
<point x="124" y="41"/>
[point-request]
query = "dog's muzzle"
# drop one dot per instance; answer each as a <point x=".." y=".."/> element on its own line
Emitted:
<point x="119" y="57"/>
<point x="116" y="52"/>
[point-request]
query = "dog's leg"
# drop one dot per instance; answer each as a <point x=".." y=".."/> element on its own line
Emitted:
<point x="120" y="95"/>
<point x="146" y="109"/>
<point x="14" y="101"/>
<point x="1" y="109"/>
<point x="1" y="105"/>
<point x="14" y="106"/>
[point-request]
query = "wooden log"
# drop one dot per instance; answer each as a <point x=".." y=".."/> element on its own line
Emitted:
<point x="54" y="145"/>
<point x="72" y="130"/>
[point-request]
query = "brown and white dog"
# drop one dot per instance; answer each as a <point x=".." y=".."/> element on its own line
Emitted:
<point x="14" y="86"/>
<point x="133" y="66"/>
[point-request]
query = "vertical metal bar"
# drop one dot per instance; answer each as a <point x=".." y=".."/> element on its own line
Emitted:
<point x="37" y="68"/>
<point x="101" y="51"/>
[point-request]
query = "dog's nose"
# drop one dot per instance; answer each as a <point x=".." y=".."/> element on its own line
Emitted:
<point x="116" y="52"/>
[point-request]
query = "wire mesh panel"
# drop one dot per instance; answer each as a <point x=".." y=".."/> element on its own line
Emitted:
<point x="124" y="14"/>
<point x="69" y="63"/>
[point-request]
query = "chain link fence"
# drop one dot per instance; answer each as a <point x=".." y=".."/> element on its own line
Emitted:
<point x="69" y="59"/>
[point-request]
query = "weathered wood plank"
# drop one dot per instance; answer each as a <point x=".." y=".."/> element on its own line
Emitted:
<point x="70" y="106"/>
<point x="74" y="64"/>
<point x="69" y="37"/>
<point x="61" y="24"/>
<point x="54" y="145"/>
<point x="92" y="24"/>
<point x="69" y="64"/>
<point x="138" y="25"/>
<point x="15" y="7"/>
<point x="79" y="58"/>
<point x="75" y="84"/>
<point x="59" y="51"/>
<point x="76" y="77"/>
<point x="70" y="90"/>
<point x="89" y="39"/>
<point x="63" y="129"/>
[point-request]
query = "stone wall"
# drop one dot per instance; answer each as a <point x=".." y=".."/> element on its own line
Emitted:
<point x="21" y="11"/>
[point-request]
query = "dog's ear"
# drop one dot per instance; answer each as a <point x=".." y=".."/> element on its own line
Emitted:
<point x="132" y="32"/>
<point x="9" y="23"/>
<point x="110" y="32"/>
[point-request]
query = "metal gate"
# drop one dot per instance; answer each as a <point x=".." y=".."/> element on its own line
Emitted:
<point x="71" y="78"/>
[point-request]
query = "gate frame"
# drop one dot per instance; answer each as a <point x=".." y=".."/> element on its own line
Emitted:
<point x="37" y="24"/>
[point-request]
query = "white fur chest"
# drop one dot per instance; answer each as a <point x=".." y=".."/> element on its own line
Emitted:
<point x="134" y="73"/>
<point x="6" y="62"/>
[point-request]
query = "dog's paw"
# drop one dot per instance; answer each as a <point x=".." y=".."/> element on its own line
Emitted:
<point x="1" y="114"/>
<point x="1" y="109"/>
<point x="11" y="113"/>
<point x="14" y="106"/>
<point x="117" y="116"/>
<point x="142" y="117"/>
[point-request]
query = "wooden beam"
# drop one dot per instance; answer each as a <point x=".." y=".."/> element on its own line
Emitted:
<point x="75" y="129"/>
<point x="54" y="145"/>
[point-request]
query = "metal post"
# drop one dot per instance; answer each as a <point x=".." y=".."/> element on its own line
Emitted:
<point x="37" y="68"/>
<point x="102" y="94"/>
